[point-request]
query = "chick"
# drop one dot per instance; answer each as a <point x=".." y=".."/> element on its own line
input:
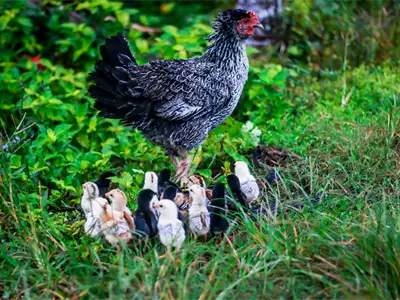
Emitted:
<point x="151" y="182"/>
<point x="234" y="185"/>
<point x="170" y="229"/>
<point x="171" y="193"/>
<point x="145" y="219"/>
<point x="92" y="205"/>
<point x="164" y="181"/>
<point x="153" y="201"/>
<point x="175" y="194"/>
<point x="197" y="179"/>
<point x="219" y="221"/>
<point x="104" y="183"/>
<point x="116" y="219"/>
<point x="199" y="217"/>
<point x="248" y="183"/>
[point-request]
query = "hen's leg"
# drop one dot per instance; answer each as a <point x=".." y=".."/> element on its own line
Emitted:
<point x="175" y="161"/>
<point x="183" y="168"/>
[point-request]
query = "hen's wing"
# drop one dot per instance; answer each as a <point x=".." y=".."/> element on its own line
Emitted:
<point x="170" y="90"/>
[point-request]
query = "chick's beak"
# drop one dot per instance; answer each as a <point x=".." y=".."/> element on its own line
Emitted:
<point x="259" y="25"/>
<point x="155" y="205"/>
<point x="107" y="195"/>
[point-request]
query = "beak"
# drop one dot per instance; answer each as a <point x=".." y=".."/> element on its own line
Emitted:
<point x="107" y="194"/>
<point x="155" y="205"/>
<point x="259" y="25"/>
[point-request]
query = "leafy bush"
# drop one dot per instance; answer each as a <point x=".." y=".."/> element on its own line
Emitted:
<point x="64" y="142"/>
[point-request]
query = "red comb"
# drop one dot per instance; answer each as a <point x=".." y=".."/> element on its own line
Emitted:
<point x="252" y="15"/>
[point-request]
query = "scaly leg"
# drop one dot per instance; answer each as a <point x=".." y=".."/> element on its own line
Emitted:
<point x="175" y="161"/>
<point x="183" y="168"/>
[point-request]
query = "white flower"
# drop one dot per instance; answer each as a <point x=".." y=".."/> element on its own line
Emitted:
<point x="256" y="132"/>
<point x="248" y="126"/>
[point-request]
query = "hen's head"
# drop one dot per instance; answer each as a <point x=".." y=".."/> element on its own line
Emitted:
<point x="242" y="23"/>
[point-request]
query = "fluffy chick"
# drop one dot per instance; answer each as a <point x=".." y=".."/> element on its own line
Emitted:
<point x="248" y="183"/>
<point x="171" y="193"/>
<point x="151" y="182"/>
<point x="219" y="221"/>
<point x="104" y="183"/>
<point x="164" y="181"/>
<point x="199" y="180"/>
<point x="92" y="205"/>
<point x="145" y="219"/>
<point x="234" y="185"/>
<point x="199" y="217"/>
<point x="170" y="228"/>
<point x="117" y="221"/>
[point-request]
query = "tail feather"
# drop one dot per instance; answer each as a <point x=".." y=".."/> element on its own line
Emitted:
<point x="113" y="47"/>
<point x="110" y="78"/>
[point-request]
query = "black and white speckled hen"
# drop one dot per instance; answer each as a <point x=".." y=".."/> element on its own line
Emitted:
<point x="175" y="103"/>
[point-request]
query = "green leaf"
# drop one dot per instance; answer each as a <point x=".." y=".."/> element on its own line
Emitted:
<point x="92" y="124"/>
<point x="204" y="172"/>
<point x="15" y="161"/>
<point x="52" y="136"/>
<point x="123" y="17"/>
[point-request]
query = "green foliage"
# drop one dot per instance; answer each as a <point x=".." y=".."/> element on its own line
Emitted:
<point x="322" y="30"/>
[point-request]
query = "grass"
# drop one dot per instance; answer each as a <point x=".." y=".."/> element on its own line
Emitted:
<point x="346" y="246"/>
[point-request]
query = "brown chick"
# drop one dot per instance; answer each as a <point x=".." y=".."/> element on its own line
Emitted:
<point x="117" y="221"/>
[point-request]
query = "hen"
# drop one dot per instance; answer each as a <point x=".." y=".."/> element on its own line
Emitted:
<point x="175" y="103"/>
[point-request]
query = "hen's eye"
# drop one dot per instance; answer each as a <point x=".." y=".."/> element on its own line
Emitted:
<point x="160" y="205"/>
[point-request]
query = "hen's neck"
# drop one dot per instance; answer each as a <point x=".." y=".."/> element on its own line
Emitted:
<point x="227" y="52"/>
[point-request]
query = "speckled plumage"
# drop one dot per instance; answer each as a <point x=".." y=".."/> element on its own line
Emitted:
<point x="171" y="230"/>
<point x="248" y="183"/>
<point x="116" y="219"/>
<point x="250" y="189"/>
<point x="175" y="103"/>
<point x="199" y="217"/>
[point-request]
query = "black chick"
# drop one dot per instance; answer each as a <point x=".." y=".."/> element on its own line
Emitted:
<point x="170" y="194"/>
<point x="164" y="181"/>
<point x="145" y="220"/>
<point x="103" y="183"/>
<point x="234" y="185"/>
<point x="219" y="222"/>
